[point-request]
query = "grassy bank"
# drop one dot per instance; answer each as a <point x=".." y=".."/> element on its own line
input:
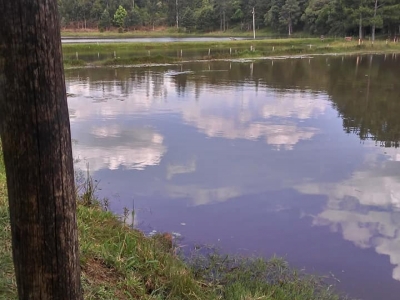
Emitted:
<point x="159" y="32"/>
<point x="7" y="282"/>
<point x="185" y="45"/>
<point x="145" y="53"/>
<point x="122" y="263"/>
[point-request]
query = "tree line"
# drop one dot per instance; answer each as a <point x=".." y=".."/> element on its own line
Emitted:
<point x="320" y="17"/>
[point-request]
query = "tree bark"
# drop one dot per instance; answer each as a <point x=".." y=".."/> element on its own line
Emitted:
<point x="36" y="140"/>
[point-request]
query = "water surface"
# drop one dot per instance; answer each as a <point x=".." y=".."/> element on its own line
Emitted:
<point x="296" y="157"/>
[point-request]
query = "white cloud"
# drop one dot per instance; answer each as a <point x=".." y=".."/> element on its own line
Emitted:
<point x="366" y="207"/>
<point x="176" y="169"/>
<point x="114" y="148"/>
<point x="201" y="196"/>
<point x="296" y="104"/>
<point x="284" y="136"/>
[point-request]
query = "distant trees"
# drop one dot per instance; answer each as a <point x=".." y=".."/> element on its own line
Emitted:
<point x="188" y="19"/>
<point x="336" y="17"/>
<point x="290" y="14"/>
<point x="105" y="20"/>
<point x="120" y="16"/>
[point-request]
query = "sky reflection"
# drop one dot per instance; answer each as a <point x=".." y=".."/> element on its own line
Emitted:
<point x="366" y="207"/>
<point x="252" y="154"/>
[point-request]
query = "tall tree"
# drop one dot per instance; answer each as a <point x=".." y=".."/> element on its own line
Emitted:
<point x="188" y="19"/>
<point x="384" y="10"/>
<point x="272" y="17"/>
<point x="120" y="16"/>
<point x="105" y="20"/>
<point x="152" y="9"/>
<point x="290" y="14"/>
<point x="36" y="140"/>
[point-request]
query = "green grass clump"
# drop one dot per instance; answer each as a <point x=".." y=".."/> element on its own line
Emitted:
<point x="74" y="63"/>
<point x="237" y="278"/>
<point x="221" y="50"/>
<point x="157" y="59"/>
<point x="7" y="282"/>
<point x="83" y="48"/>
<point x="119" y="262"/>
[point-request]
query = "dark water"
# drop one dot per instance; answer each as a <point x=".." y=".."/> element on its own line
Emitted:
<point x="296" y="157"/>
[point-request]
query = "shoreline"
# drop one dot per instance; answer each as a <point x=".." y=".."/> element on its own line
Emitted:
<point x="166" y="61"/>
<point x="148" y="53"/>
<point x="161" y="32"/>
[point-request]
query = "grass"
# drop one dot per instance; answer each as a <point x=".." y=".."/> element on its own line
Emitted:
<point x="120" y="46"/>
<point x="218" y="50"/>
<point x="7" y="281"/>
<point x="157" y="59"/>
<point x="119" y="262"/>
<point x="74" y="63"/>
<point x="160" y="32"/>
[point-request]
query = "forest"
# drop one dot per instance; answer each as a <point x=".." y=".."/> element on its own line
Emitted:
<point x="359" y="18"/>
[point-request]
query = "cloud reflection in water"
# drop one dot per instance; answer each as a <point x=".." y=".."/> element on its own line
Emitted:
<point x="366" y="207"/>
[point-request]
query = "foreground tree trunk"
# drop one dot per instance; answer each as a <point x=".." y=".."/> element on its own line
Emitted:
<point x="35" y="133"/>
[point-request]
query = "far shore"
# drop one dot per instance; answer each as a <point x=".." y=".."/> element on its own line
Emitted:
<point x="145" y="53"/>
<point x="160" y="32"/>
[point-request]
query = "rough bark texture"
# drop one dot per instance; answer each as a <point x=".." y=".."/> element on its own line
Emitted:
<point x="35" y="132"/>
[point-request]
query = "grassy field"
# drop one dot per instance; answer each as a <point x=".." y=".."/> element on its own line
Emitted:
<point x="225" y="43"/>
<point x="146" y="53"/>
<point x="160" y="32"/>
<point x="119" y="262"/>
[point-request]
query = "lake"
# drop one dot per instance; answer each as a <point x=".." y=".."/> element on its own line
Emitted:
<point x="294" y="157"/>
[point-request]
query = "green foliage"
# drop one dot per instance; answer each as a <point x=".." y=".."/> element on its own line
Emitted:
<point x="316" y="16"/>
<point x="336" y="17"/>
<point x="97" y="10"/>
<point x="205" y="20"/>
<point x="272" y="17"/>
<point x="188" y="19"/>
<point x="105" y="20"/>
<point x="119" y="16"/>
<point x="133" y="18"/>
<point x="289" y="14"/>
